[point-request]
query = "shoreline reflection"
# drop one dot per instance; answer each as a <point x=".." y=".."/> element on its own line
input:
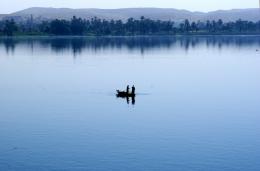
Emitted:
<point x="142" y="44"/>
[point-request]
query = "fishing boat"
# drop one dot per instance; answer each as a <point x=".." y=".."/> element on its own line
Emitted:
<point x="124" y="94"/>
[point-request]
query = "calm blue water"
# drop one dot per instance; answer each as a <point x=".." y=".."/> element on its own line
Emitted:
<point x="197" y="107"/>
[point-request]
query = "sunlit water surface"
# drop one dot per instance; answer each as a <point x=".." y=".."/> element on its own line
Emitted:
<point x="197" y="106"/>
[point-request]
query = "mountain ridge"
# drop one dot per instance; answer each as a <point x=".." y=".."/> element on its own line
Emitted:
<point x="49" y="13"/>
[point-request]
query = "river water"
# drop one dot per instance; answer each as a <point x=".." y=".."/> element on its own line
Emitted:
<point x="197" y="104"/>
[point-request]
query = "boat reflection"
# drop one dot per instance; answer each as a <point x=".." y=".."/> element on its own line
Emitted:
<point x="128" y="98"/>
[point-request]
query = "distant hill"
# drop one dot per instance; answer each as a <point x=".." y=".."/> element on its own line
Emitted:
<point x="40" y="14"/>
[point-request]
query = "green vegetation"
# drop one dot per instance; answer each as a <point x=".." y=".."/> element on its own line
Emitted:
<point x="143" y="26"/>
<point x="9" y="27"/>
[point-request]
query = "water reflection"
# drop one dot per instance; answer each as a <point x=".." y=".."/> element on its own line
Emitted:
<point x="127" y="98"/>
<point x="9" y="45"/>
<point x="142" y="44"/>
<point x="201" y="106"/>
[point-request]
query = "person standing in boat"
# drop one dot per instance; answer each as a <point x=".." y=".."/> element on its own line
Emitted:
<point x="127" y="89"/>
<point x="133" y="90"/>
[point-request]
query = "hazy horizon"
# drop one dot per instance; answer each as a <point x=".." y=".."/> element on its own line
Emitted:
<point x="199" y="5"/>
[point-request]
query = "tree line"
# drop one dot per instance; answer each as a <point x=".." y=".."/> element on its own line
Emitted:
<point x="142" y="26"/>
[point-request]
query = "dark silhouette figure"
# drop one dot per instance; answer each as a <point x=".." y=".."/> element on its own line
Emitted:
<point x="133" y="90"/>
<point x="127" y="89"/>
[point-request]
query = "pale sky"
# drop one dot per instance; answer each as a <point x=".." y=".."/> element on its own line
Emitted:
<point x="8" y="6"/>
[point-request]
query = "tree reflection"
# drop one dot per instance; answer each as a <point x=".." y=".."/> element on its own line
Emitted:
<point x="9" y="45"/>
<point x="143" y="44"/>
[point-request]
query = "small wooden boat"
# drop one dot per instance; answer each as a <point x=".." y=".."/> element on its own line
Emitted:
<point x="124" y="94"/>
